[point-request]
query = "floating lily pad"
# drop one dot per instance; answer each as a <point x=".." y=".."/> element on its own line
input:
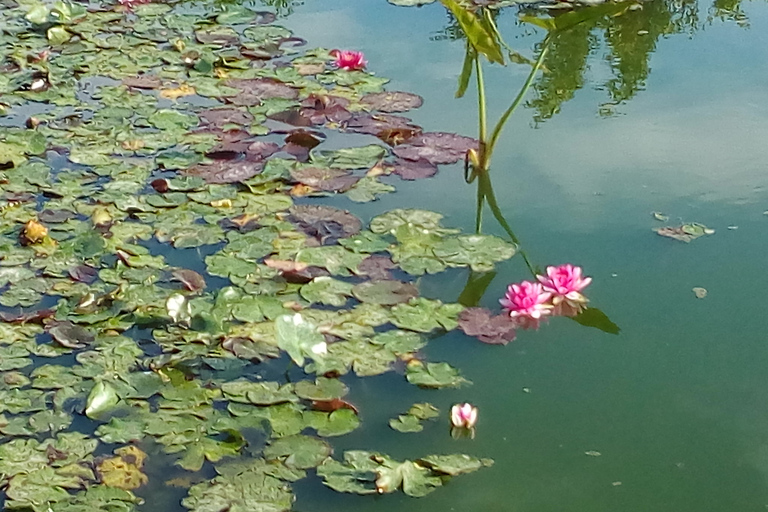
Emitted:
<point x="393" y="101"/>
<point x="488" y="328"/>
<point x="436" y="148"/>
<point x="385" y="292"/>
<point x="434" y="375"/>
<point x="685" y="233"/>
<point x="323" y="389"/>
<point x="300" y="452"/>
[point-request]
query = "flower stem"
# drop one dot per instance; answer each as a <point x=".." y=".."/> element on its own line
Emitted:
<point x="505" y="116"/>
<point x="482" y="117"/>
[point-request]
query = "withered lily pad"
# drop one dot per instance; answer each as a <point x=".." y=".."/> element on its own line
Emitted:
<point x="685" y="233"/>
<point x="224" y="171"/>
<point x="436" y="147"/>
<point x="325" y="222"/>
<point x="394" y="101"/>
<point x="70" y="335"/>
<point x="254" y="90"/>
<point x="327" y="179"/>
<point x="488" y="328"/>
<point x="414" y="170"/>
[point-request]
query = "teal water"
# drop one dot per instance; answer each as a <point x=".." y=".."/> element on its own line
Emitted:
<point x="676" y="404"/>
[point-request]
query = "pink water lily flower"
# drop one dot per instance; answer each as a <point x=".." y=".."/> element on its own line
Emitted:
<point x="526" y="300"/>
<point x="463" y="416"/>
<point x="349" y="60"/>
<point x="565" y="283"/>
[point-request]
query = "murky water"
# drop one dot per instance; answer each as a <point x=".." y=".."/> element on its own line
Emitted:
<point x="676" y="404"/>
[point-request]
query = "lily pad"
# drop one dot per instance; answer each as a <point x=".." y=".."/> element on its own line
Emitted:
<point x="385" y="292"/>
<point x="393" y="101"/>
<point x="436" y="148"/>
<point x="434" y="375"/>
<point x="488" y="328"/>
<point x="323" y="389"/>
<point x="299" y="452"/>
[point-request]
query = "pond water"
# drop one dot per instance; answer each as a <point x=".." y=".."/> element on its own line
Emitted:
<point x="659" y="109"/>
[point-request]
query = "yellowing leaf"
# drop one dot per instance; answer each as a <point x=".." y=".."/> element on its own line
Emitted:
<point x="178" y="92"/>
<point x="124" y="471"/>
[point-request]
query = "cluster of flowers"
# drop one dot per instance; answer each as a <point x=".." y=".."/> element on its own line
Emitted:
<point x="556" y="294"/>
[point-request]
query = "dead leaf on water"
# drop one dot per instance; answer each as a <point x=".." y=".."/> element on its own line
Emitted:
<point x="700" y="292"/>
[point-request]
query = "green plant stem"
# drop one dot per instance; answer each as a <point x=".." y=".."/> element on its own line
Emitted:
<point x="503" y="120"/>
<point x="482" y="116"/>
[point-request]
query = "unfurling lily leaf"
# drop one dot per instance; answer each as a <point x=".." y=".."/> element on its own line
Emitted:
<point x="102" y="398"/>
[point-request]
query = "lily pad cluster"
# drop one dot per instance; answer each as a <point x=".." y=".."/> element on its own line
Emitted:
<point x="160" y="243"/>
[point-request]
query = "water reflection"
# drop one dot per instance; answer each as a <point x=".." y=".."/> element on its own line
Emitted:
<point x="630" y="40"/>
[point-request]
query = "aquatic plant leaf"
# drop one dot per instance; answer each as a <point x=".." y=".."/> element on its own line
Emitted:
<point x="337" y="423"/>
<point x="325" y="223"/>
<point x="125" y="470"/>
<point x="299" y="338"/>
<point x="254" y="90"/>
<point x="355" y="475"/>
<point x="425" y="315"/>
<point x="390" y="221"/>
<point x="323" y="389"/>
<point x="121" y="430"/>
<point x="363" y="157"/>
<point x="327" y="290"/>
<point x="299" y="452"/>
<point x="414" y="170"/>
<point x="386" y="292"/>
<point x="326" y="179"/>
<point x="167" y="119"/>
<point x="252" y="489"/>
<point x="406" y="423"/>
<point x="102" y="398"/>
<point x="225" y="171"/>
<point x="482" y="39"/>
<point x="38" y="489"/>
<point x="392" y="101"/>
<point x="455" y="464"/>
<point x="400" y="342"/>
<point x="70" y="335"/>
<point x="259" y="393"/>
<point x="436" y="148"/>
<point x="486" y="327"/>
<point x="415" y="480"/>
<point x="480" y="252"/>
<point x="685" y="233"/>
<point x="368" y="189"/>
<point x="593" y="317"/>
<point x="434" y="375"/>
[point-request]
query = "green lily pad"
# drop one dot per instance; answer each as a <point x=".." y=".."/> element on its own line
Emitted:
<point x="300" y="452"/>
<point x="322" y="389"/>
<point x="434" y="375"/>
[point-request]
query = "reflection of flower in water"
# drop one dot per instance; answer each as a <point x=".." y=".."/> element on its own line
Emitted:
<point x="349" y="60"/>
<point x="565" y="283"/>
<point x="526" y="300"/>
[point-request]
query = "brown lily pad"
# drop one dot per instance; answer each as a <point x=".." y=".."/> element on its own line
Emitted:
<point x="374" y="124"/>
<point x="83" y="273"/>
<point x="253" y="90"/>
<point x="29" y="317"/>
<point x="326" y="179"/>
<point x="143" y="82"/>
<point x="70" y="335"/>
<point x="56" y="216"/>
<point x="191" y="280"/>
<point x="483" y="325"/>
<point x="376" y="267"/>
<point x="414" y="170"/>
<point x="226" y="171"/>
<point x="217" y="35"/>
<point x="320" y="109"/>
<point x="392" y="101"/>
<point x="220" y="117"/>
<point x="437" y="147"/>
<point x="325" y="223"/>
